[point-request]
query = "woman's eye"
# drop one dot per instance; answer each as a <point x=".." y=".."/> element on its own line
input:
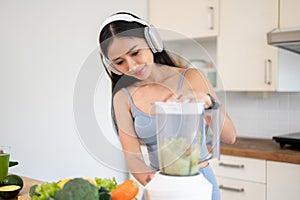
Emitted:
<point x="119" y="62"/>
<point x="135" y="53"/>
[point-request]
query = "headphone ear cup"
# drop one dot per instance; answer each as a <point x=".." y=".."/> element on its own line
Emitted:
<point x="153" y="39"/>
<point x="110" y="66"/>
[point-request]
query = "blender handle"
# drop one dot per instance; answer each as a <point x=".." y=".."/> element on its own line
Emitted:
<point x="214" y="113"/>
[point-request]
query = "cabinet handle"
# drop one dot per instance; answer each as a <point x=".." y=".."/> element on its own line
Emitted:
<point x="268" y="65"/>
<point x="222" y="187"/>
<point x="231" y="165"/>
<point x="210" y="18"/>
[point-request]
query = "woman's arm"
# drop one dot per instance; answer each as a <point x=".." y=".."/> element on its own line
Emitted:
<point x="129" y="141"/>
<point x="200" y="85"/>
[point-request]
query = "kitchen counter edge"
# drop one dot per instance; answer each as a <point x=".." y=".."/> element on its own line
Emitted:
<point x="258" y="148"/>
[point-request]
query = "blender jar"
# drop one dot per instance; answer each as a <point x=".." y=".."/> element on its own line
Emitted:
<point x="179" y="128"/>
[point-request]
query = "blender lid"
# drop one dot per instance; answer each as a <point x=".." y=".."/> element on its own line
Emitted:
<point x="179" y="108"/>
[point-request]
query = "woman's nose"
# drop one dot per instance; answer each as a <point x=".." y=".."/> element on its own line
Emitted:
<point x="131" y="63"/>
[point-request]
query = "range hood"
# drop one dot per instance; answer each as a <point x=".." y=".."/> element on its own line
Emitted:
<point x="288" y="39"/>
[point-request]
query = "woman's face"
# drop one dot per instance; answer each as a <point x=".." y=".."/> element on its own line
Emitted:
<point x="131" y="56"/>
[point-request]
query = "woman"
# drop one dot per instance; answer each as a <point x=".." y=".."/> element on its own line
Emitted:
<point x="142" y="73"/>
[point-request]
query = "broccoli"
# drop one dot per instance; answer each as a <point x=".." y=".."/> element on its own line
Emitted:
<point x="78" y="189"/>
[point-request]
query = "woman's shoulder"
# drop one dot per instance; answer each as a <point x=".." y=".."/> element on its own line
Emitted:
<point x="192" y="72"/>
<point x="188" y="70"/>
<point x="124" y="94"/>
<point x="197" y="79"/>
<point x="120" y="96"/>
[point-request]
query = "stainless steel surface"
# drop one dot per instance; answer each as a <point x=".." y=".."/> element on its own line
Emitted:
<point x="222" y="187"/>
<point x="211" y="18"/>
<point x="268" y="71"/>
<point x="288" y="39"/>
<point x="231" y="165"/>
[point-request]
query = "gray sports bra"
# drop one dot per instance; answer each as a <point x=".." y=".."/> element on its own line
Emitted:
<point x="145" y="128"/>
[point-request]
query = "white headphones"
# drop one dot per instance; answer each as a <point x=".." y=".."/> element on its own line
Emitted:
<point x="151" y="35"/>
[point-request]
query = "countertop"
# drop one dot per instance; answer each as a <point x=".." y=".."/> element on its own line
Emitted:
<point x="266" y="149"/>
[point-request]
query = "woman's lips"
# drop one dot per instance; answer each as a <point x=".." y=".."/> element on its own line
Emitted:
<point x="139" y="72"/>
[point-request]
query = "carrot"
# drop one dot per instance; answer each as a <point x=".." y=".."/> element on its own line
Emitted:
<point x="125" y="191"/>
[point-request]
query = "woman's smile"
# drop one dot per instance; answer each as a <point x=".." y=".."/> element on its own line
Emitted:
<point x="140" y="71"/>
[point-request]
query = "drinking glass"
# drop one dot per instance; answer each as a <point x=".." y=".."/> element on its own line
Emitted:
<point x="4" y="161"/>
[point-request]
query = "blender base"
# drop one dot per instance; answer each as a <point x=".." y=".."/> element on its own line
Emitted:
<point x="178" y="187"/>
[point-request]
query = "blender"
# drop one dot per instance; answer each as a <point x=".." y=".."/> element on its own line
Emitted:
<point x="182" y="134"/>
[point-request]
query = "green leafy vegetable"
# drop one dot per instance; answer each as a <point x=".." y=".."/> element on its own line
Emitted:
<point x="32" y="191"/>
<point x="43" y="191"/>
<point x="109" y="184"/>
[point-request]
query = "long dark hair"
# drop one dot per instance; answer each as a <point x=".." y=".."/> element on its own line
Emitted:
<point x="122" y="28"/>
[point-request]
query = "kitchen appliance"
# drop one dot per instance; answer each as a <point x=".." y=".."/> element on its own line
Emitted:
<point x="284" y="38"/>
<point x="292" y="139"/>
<point x="288" y="39"/>
<point x="181" y="134"/>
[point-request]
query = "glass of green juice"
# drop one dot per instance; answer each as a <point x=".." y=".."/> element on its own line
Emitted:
<point x="4" y="161"/>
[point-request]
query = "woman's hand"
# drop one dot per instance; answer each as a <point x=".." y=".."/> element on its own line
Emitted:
<point x="190" y="96"/>
<point x="150" y="176"/>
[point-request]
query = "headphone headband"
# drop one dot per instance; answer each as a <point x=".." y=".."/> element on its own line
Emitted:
<point x="122" y="17"/>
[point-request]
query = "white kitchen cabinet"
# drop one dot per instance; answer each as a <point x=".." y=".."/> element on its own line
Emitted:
<point x="247" y="178"/>
<point x="240" y="178"/>
<point x="233" y="189"/>
<point x="245" y="61"/>
<point x="190" y="18"/>
<point x="283" y="180"/>
<point x="289" y="14"/>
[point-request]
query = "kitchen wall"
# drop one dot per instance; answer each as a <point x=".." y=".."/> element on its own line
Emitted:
<point x="46" y="48"/>
<point x="263" y="115"/>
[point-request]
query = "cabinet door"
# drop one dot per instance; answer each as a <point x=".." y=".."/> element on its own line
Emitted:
<point x="282" y="180"/>
<point x="232" y="189"/>
<point x="245" y="60"/>
<point x="248" y="169"/>
<point x="192" y="18"/>
<point x="289" y="14"/>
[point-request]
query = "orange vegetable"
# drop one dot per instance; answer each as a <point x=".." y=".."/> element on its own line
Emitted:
<point x="125" y="191"/>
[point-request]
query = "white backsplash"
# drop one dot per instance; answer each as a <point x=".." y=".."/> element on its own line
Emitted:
<point x="263" y="114"/>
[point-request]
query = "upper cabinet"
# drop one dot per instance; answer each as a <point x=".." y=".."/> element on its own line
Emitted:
<point x="245" y="61"/>
<point x="189" y="18"/>
<point x="289" y="14"/>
